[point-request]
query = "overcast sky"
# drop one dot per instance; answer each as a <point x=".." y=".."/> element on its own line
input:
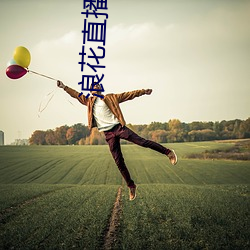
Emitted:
<point x="194" y="54"/>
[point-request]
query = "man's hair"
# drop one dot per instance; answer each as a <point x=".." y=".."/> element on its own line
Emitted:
<point x="93" y="84"/>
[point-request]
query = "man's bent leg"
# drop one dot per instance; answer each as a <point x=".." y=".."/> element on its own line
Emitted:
<point x="115" y="149"/>
<point x="131" y="136"/>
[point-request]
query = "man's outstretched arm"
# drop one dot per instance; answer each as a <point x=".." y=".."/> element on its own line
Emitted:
<point x="82" y="99"/>
<point x="132" y="94"/>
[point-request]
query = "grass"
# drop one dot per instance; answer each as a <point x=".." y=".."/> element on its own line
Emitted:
<point x="61" y="197"/>
<point x="57" y="165"/>
<point x="187" y="217"/>
<point x="65" y="218"/>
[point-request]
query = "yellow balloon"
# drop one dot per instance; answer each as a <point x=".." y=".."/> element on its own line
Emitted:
<point x="22" y="56"/>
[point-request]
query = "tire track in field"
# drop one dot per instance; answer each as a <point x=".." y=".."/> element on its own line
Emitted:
<point x="112" y="228"/>
<point x="48" y="169"/>
<point x="46" y="166"/>
<point x="89" y="181"/>
<point x="195" y="178"/>
<point x="6" y="214"/>
<point x="67" y="172"/>
<point x="94" y="175"/>
<point x="3" y="167"/>
<point x="176" y="175"/>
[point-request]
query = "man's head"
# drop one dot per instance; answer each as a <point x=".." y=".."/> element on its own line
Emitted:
<point x="96" y="86"/>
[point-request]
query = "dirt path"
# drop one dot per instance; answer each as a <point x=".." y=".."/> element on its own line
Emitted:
<point x="111" y="235"/>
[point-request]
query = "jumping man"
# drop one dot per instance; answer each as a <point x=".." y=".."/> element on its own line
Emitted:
<point x="104" y="113"/>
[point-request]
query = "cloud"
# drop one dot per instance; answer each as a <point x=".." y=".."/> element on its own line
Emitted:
<point x="58" y="56"/>
<point x="67" y="39"/>
<point x="137" y="42"/>
<point x="63" y="45"/>
<point x="124" y="42"/>
<point x="128" y="33"/>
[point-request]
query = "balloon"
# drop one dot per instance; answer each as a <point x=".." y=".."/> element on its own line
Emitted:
<point x="22" y="56"/>
<point x="11" y="62"/>
<point x="15" y="71"/>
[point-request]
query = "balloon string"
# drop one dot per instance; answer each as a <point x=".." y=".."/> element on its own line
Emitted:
<point x="50" y="96"/>
<point x="31" y="71"/>
<point x="71" y="103"/>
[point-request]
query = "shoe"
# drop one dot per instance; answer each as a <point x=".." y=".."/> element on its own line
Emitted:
<point x="172" y="157"/>
<point x="132" y="193"/>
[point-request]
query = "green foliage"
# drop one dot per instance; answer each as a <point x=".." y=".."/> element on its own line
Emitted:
<point x="172" y="131"/>
<point x="63" y="135"/>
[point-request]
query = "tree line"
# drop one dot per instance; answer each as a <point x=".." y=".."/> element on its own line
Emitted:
<point x="172" y="131"/>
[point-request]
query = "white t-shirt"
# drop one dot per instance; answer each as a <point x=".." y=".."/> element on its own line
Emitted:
<point x="105" y="119"/>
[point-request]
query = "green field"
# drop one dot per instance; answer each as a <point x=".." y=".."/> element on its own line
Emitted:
<point x="62" y="197"/>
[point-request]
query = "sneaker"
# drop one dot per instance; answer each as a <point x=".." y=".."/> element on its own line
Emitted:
<point x="132" y="193"/>
<point x="172" y="157"/>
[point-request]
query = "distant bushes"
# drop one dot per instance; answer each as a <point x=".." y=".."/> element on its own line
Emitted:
<point x="240" y="151"/>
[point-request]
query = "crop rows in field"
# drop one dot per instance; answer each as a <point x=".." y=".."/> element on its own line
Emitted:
<point x="164" y="216"/>
<point x="168" y="216"/>
<point x="94" y="165"/>
<point x="187" y="217"/>
<point x="63" y="198"/>
<point x="62" y="218"/>
<point x="57" y="165"/>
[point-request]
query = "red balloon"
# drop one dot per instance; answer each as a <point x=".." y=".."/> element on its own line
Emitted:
<point x="15" y="71"/>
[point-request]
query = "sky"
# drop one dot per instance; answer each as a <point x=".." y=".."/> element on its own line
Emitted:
<point x="194" y="54"/>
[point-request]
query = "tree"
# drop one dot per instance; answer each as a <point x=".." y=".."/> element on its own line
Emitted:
<point x="82" y="142"/>
<point x="245" y="129"/>
<point x="185" y="130"/>
<point x="38" y="138"/>
<point x="175" y="133"/>
<point x="60" y="134"/>
<point x="159" y="135"/>
<point x="157" y="125"/>
<point x="196" y="126"/>
<point x="202" y="135"/>
<point x="50" y="137"/>
<point x="236" y="128"/>
<point x="70" y="136"/>
<point x="96" y="138"/>
<point x="217" y="129"/>
<point x="80" y="131"/>
<point x="76" y="133"/>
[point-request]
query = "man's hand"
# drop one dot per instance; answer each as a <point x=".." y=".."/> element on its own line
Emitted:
<point x="148" y="91"/>
<point x="60" y="84"/>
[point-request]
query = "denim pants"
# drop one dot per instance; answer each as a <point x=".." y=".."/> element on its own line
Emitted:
<point x="113" y="137"/>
